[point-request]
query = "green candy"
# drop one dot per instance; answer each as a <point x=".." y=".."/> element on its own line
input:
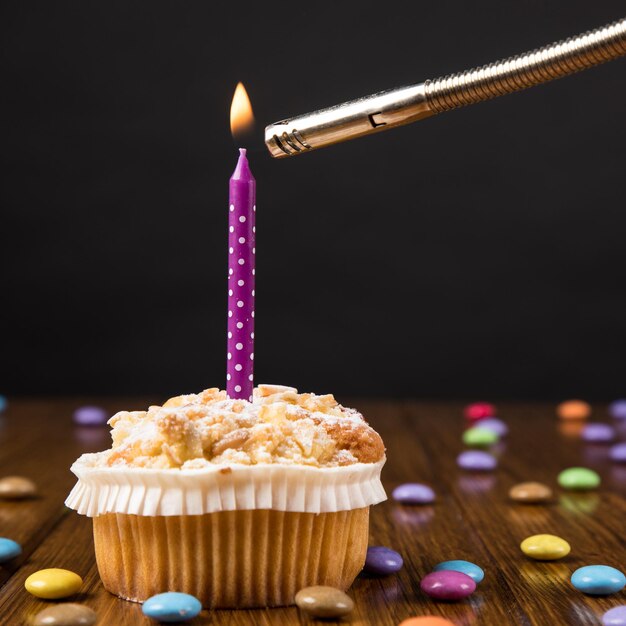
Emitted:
<point x="579" y="479"/>
<point x="477" y="436"/>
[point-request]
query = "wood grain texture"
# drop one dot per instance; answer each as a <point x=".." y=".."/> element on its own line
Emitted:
<point x="472" y="518"/>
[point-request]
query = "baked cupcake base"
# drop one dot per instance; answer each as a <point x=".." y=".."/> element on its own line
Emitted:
<point x="230" y="559"/>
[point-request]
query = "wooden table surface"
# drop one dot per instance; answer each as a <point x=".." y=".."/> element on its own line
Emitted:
<point x="472" y="518"/>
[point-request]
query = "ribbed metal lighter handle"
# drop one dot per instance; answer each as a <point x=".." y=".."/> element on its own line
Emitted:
<point x="526" y="70"/>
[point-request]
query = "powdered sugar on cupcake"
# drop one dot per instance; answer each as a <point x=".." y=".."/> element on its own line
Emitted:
<point x="279" y="426"/>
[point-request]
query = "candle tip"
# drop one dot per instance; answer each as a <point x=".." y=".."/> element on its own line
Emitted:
<point x="242" y="152"/>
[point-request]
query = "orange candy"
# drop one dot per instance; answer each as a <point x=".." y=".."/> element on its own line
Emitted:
<point x="427" y="620"/>
<point x="573" y="410"/>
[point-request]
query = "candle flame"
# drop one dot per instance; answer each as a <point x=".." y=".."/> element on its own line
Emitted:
<point x="241" y="116"/>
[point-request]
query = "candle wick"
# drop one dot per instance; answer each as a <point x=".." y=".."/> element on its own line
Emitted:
<point x="242" y="152"/>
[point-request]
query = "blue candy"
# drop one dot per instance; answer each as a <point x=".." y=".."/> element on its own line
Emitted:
<point x="598" y="580"/>
<point x="495" y="425"/>
<point x="465" y="567"/>
<point x="382" y="561"/>
<point x="91" y="415"/>
<point x="615" y="616"/>
<point x="618" y="409"/>
<point x="172" y="607"/>
<point x="413" y="493"/>
<point x="9" y="549"/>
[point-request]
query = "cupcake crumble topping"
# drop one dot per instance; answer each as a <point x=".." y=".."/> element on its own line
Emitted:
<point x="278" y="426"/>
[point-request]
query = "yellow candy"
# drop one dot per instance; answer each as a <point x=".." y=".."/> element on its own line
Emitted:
<point x="52" y="584"/>
<point x="545" y="547"/>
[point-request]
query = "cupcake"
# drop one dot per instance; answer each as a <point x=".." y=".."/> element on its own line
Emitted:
<point x="238" y="503"/>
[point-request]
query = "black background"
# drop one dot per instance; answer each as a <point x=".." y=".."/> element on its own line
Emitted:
<point x="479" y="253"/>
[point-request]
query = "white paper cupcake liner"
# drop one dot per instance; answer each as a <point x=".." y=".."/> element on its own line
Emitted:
<point x="151" y="492"/>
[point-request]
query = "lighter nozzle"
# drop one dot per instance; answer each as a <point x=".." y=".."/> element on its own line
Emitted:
<point x="401" y="106"/>
<point x="349" y="120"/>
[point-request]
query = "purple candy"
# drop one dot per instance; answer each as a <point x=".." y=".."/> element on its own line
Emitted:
<point x="413" y="493"/>
<point x="476" y="460"/>
<point x="599" y="433"/>
<point x="617" y="409"/>
<point x="381" y="561"/>
<point x="615" y="616"/>
<point x="447" y="585"/>
<point x="617" y="453"/>
<point x="495" y="425"/>
<point x="90" y="416"/>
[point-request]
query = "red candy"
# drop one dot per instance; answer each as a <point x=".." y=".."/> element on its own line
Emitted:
<point x="479" y="410"/>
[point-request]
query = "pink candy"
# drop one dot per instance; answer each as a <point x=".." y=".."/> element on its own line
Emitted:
<point x="447" y="585"/>
<point x="479" y="410"/>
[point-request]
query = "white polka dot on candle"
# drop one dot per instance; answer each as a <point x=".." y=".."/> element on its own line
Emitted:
<point x="230" y="271"/>
<point x="239" y="346"/>
<point x="241" y="283"/>
<point x="253" y="272"/>
<point x="239" y="303"/>
<point x="251" y="335"/>
<point x="252" y="357"/>
<point x="230" y="335"/>
<point x="241" y="261"/>
<point x="253" y="250"/>
<point x="230" y="292"/>
<point x="242" y="218"/>
<point x="230" y="313"/>
<point x="240" y="325"/>
<point x="232" y="207"/>
<point x="242" y="240"/>
<point x="254" y="208"/>
<point x="238" y="367"/>
<point x="231" y="250"/>
<point x="254" y="229"/>
<point x="231" y="229"/>
<point x="250" y="378"/>
<point x="237" y="388"/>
<point x="253" y="293"/>
<point x="230" y="356"/>
<point x="227" y="376"/>
<point x="252" y="314"/>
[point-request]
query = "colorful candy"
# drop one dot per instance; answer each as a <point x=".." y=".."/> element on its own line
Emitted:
<point x="495" y="424"/>
<point x="598" y="580"/>
<point x="465" y="567"/>
<point x="530" y="493"/>
<point x="66" y="614"/>
<point x="172" y="607"/>
<point x="617" y="409"/>
<point x="476" y="460"/>
<point x="598" y="433"/>
<point x="324" y="602"/>
<point x="447" y="585"/>
<point x="617" y="453"/>
<point x="52" y="584"/>
<point x="91" y="416"/>
<point x="545" y="547"/>
<point x="9" y="549"/>
<point x="615" y="616"/>
<point x="16" y="488"/>
<point x="479" y="410"/>
<point x="382" y="561"/>
<point x="579" y="479"/>
<point x="478" y="436"/>
<point x="573" y="410"/>
<point x="413" y="493"/>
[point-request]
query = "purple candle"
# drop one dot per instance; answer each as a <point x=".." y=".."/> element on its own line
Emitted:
<point x="241" y="261"/>
<point x="241" y="271"/>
